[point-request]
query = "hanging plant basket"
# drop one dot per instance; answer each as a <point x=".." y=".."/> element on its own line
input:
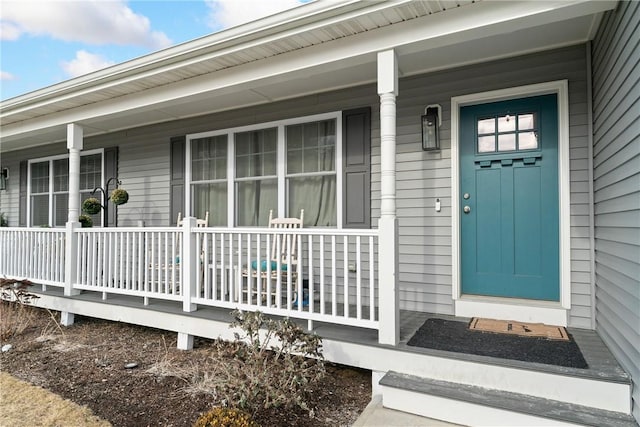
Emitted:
<point x="119" y="196"/>
<point x="85" y="221"/>
<point x="91" y="206"/>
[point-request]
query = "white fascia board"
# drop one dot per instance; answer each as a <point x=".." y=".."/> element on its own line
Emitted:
<point x="442" y="29"/>
<point x="236" y="39"/>
<point x="261" y="32"/>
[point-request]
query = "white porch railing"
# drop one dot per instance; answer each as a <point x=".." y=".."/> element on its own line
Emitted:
<point x="35" y="254"/>
<point x="131" y="261"/>
<point x="333" y="278"/>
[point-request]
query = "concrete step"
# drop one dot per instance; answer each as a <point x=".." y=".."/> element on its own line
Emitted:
<point x="478" y="406"/>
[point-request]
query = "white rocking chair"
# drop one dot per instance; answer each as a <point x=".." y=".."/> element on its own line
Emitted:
<point x="282" y="263"/>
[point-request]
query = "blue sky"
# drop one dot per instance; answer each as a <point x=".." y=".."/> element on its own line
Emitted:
<point x="44" y="42"/>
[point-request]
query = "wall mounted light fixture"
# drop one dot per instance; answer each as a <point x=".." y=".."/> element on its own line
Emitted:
<point x="4" y="177"/>
<point x="431" y="122"/>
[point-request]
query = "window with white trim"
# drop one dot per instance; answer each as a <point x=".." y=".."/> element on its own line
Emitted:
<point x="256" y="183"/>
<point x="240" y="175"/>
<point x="311" y="171"/>
<point x="209" y="178"/>
<point x="48" y="189"/>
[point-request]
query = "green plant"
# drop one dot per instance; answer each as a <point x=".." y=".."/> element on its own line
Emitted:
<point x="119" y="196"/>
<point x="91" y="206"/>
<point x="85" y="221"/>
<point x="4" y="222"/>
<point x="225" y="417"/>
<point x="15" y="310"/>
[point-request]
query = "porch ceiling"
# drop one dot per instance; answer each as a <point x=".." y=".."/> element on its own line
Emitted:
<point x="311" y="50"/>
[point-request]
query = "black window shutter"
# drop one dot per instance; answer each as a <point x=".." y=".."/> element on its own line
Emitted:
<point x="22" y="199"/>
<point x="356" y="151"/>
<point x="177" y="177"/>
<point x="111" y="171"/>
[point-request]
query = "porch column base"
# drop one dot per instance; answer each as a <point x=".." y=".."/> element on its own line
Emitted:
<point x="389" y="295"/>
<point x="190" y="267"/>
<point x="66" y="318"/>
<point x="185" y="341"/>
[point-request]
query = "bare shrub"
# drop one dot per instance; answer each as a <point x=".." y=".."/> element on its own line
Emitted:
<point x="271" y="363"/>
<point x="15" y="307"/>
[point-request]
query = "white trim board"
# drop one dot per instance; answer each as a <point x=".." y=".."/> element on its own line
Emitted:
<point x="561" y="89"/>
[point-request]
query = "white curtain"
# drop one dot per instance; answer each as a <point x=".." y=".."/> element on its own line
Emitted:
<point x="211" y="198"/>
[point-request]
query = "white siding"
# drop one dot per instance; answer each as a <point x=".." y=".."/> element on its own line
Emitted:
<point x="616" y="89"/>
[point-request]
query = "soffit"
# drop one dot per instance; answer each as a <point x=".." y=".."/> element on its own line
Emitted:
<point x="221" y="56"/>
<point x="209" y="81"/>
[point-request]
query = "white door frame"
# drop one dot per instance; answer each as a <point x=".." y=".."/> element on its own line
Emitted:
<point x="510" y="308"/>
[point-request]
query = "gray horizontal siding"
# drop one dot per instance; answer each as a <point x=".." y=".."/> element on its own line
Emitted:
<point x="425" y="235"/>
<point x="616" y="89"/>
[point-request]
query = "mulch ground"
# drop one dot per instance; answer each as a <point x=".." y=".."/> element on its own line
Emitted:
<point x="86" y="362"/>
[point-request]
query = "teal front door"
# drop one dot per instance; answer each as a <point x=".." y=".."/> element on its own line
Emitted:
<point x="509" y="220"/>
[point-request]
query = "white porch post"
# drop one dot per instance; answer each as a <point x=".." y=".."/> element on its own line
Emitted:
<point x="74" y="144"/>
<point x="189" y="265"/>
<point x="389" y="308"/>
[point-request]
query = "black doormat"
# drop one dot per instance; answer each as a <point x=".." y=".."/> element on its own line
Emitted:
<point x="448" y="335"/>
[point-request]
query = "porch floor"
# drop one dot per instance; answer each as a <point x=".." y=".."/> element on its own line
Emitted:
<point x="602" y="364"/>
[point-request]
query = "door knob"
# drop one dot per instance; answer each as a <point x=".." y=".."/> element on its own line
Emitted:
<point x="466" y="209"/>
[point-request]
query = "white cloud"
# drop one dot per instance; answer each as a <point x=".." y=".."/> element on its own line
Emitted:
<point x="229" y="13"/>
<point x="8" y="31"/>
<point x="6" y="76"/>
<point x="84" y="63"/>
<point x="94" y="22"/>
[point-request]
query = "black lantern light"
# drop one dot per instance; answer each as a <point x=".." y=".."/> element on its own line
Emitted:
<point x="431" y="121"/>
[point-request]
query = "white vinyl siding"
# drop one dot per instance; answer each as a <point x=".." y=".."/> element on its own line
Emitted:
<point x="616" y="148"/>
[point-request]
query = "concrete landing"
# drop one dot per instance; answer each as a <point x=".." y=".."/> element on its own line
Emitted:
<point x="375" y="415"/>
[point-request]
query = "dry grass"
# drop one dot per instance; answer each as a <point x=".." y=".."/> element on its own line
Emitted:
<point x="22" y="404"/>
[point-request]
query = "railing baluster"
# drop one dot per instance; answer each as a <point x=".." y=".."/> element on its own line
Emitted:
<point x="153" y="268"/>
<point x="205" y="266"/>
<point x="249" y="269"/>
<point x="267" y="256"/>
<point x="146" y="261"/>
<point x="334" y="303"/>
<point x="254" y="275"/>
<point x="345" y="249"/>
<point x="128" y="262"/>
<point x="358" y="280"/>
<point x="214" y="269"/>
<point x="322" y="283"/>
<point x="311" y="289"/>
<point x="372" y="282"/>
<point x="223" y="277"/>
<point x="278" y="275"/>
<point x="299" y="281"/>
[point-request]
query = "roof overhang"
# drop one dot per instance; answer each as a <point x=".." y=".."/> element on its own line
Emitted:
<point x="315" y="48"/>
